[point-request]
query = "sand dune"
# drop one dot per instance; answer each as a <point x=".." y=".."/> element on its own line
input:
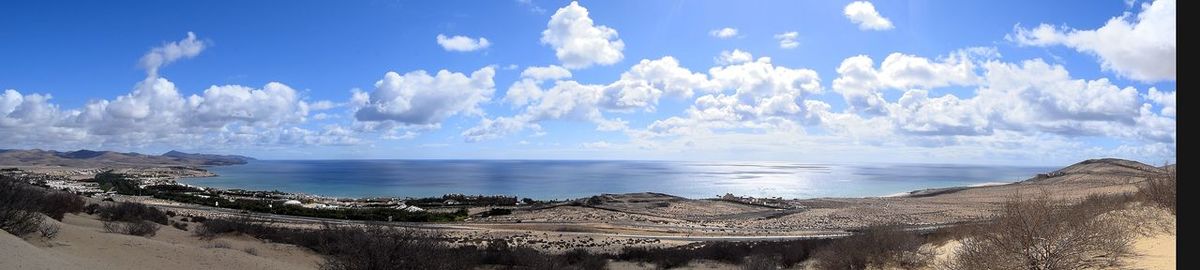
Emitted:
<point x="81" y="244"/>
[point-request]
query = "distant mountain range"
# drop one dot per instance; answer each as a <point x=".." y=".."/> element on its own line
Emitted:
<point x="89" y="158"/>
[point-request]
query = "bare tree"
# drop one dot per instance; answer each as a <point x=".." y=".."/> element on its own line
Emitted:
<point x="1160" y="189"/>
<point x="1040" y="233"/>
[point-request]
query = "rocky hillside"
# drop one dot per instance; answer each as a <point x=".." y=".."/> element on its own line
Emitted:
<point x="91" y="159"/>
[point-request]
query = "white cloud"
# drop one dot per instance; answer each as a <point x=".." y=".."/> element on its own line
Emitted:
<point x="1029" y="97"/>
<point x="639" y="88"/>
<point x="272" y="105"/>
<point x="724" y="33"/>
<point x="597" y="145"/>
<point x="1020" y="111"/>
<point x="416" y="98"/>
<point x="529" y="89"/>
<point x="566" y="100"/>
<point x="550" y="72"/>
<point x="489" y="129"/>
<point x="169" y="52"/>
<point x="30" y="119"/>
<point x="664" y="75"/>
<point x="916" y="113"/>
<point x="532" y="7"/>
<point x="734" y="57"/>
<point x="863" y="13"/>
<point x="462" y="43"/>
<point x="764" y="96"/>
<point x="1141" y="49"/>
<point x="155" y="113"/>
<point x="1164" y="99"/>
<point x="578" y="42"/>
<point x="860" y="83"/>
<point x="323" y="105"/>
<point x="523" y="92"/>
<point x="788" y="40"/>
<point x="1037" y="96"/>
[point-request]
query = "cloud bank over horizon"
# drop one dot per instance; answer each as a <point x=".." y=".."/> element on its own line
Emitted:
<point x="968" y="104"/>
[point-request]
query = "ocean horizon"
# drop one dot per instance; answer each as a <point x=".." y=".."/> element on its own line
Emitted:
<point x="567" y="179"/>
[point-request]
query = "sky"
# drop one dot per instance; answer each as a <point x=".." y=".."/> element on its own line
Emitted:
<point x="1000" y="82"/>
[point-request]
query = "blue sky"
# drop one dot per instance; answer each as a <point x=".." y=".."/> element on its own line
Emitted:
<point x="1029" y="82"/>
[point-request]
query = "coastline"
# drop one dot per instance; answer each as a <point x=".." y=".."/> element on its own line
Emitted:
<point x="565" y="180"/>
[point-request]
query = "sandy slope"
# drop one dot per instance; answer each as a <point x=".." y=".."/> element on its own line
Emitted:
<point x="1156" y="252"/>
<point x="81" y="244"/>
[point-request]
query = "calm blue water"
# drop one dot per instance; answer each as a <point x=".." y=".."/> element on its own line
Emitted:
<point x="575" y="179"/>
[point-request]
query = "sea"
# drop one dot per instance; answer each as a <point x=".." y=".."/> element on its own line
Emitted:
<point x="568" y="179"/>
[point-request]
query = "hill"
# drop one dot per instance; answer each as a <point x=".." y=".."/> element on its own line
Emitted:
<point x="1110" y="170"/>
<point x="92" y="159"/>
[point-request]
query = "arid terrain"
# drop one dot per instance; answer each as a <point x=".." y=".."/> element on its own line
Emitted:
<point x="604" y="223"/>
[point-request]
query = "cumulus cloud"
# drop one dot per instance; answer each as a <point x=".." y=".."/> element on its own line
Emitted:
<point x="550" y="72"/>
<point x="31" y="119"/>
<point x="568" y="100"/>
<point x="733" y="57"/>
<point x="462" y="43"/>
<point x="169" y="52"/>
<point x="272" y="105"/>
<point x="323" y="105"/>
<point x="724" y="33"/>
<point x="155" y="110"/>
<point x="664" y="75"/>
<point x="578" y="42"/>
<point x="788" y="40"/>
<point x="860" y="83"/>
<point x="1037" y="95"/>
<point x="638" y="88"/>
<point x="1016" y="109"/>
<point x="529" y="88"/>
<point x="863" y="13"/>
<point x="763" y="96"/>
<point x="1141" y="48"/>
<point x="917" y="113"/>
<point x="1031" y="97"/>
<point x="417" y="98"/>
<point x="1164" y="99"/>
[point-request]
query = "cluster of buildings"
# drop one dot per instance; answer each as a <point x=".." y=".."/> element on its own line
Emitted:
<point x="777" y="202"/>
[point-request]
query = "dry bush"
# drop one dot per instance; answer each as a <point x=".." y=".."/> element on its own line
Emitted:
<point x="582" y="259"/>
<point x="180" y="225"/>
<point x="878" y="247"/>
<point x="1046" y="234"/>
<point x="378" y="247"/>
<point x="138" y="228"/>
<point x="19" y="206"/>
<point x="251" y="251"/>
<point x="244" y="224"/>
<point x="1160" y="190"/>
<point x="91" y="209"/>
<point x="760" y="262"/>
<point x="49" y="230"/>
<point x="57" y="204"/>
<point x="132" y="212"/>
